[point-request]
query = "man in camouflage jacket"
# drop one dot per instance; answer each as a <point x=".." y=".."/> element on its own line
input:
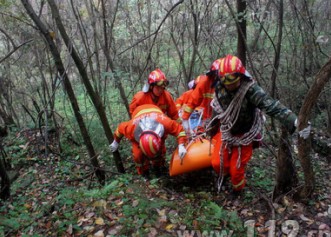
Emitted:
<point x="237" y="107"/>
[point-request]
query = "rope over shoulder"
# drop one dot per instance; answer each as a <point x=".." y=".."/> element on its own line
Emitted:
<point x="229" y="117"/>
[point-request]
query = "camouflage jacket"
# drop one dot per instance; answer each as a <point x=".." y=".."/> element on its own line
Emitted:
<point x="255" y="97"/>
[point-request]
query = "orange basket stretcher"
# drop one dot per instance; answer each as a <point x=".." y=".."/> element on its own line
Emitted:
<point x="198" y="156"/>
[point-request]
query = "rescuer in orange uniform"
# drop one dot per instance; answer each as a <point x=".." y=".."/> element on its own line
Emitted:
<point x="181" y="100"/>
<point x="202" y="95"/>
<point x="154" y="92"/>
<point x="147" y="131"/>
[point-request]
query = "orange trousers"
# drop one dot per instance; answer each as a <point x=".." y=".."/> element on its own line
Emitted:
<point x="142" y="162"/>
<point x="231" y="166"/>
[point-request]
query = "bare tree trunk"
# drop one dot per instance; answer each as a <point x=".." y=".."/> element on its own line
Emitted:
<point x="328" y="112"/>
<point x="96" y="99"/>
<point x="195" y="41"/>
<point x="277" y="57"/>
<point x="8" y="119"/>
<point x="304" y="145"/>
<point x="110" y="62"/>
<point x="260" y="21"/>
<point x="278" y="50"/>
<point x="67" y="86"/>
<point x="286" y="176"/>
<point x="5" y="181"/>
<point x="241" y="28"/>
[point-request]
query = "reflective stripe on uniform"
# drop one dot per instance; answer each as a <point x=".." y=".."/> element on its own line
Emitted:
<point x="163" y="106"/>
<point x="118" y="134"/>
<point x="235" y="186"/>
<point x="208" y="95"/>
<point x="145" y="111"/>
<point x="188" y="109"/>
<point x="181" y="134"/>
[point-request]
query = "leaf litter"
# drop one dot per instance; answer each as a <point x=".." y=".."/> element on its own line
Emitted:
<point x="158" y="207"/>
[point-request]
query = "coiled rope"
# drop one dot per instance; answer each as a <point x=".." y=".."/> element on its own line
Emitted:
<point x="228" y="118"/>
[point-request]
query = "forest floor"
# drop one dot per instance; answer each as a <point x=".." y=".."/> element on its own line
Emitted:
<point x="58" y="196"/>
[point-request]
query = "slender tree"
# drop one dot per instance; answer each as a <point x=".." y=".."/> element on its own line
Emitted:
<point x="304" y="146"/>
<point x="242" y="31"/>
<point x="96" y="99"/>
<point x="277" y="50"/>
<point x="5" y="181"/>
<point x="69" y="90"/>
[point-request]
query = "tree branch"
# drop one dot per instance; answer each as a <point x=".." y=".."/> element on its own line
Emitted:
<point x="156" y="31"/>
<point x="14" y="50"/>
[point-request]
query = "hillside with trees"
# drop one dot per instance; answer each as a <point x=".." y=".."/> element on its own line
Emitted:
<point x="69" y="70"/>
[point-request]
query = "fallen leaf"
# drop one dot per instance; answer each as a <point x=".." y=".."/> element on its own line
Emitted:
<point x="100" y="203"/>
<point x="323" y="226"/>
<point x="244" y="212"/>
<point x="119" y="202"/>
<point x="99" y="221"/>
<point x="69" y="229"/>
<point x="24" y="146"/>
<point x="164" y="196"/>
<point x="88" y="228"/>
<point x="31" y="230"/>
<point x="286" y="201"/>
<point x="182" y="227"/>
<point x="169" y="227"/>
<point x="48" y="225"/>
<point x="153" y="233"/>
<point x="163" y="219"/>
<point x="90" y="215"/>
<point x="161" y="212"/>
<point x="309" y="221"/>
<point x="115" y="230"/>
<point x="99" y="234"/>
<point x="81" y="220"/>
<point x="195" y="224"/>
<point x="135" y="203"/>
<point x="147" y="225"/>
<point x="27" y="205"/>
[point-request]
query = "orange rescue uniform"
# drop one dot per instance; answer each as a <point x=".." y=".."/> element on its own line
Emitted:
<point x="127" y="129"/>
<point x="182" y="100"/>
<point x="230" y="163"/>
<point x="201" y="96"/>
<point x="165" y="102"/>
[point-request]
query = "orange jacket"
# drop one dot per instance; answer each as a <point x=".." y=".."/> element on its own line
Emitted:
<point x="170" y="126"/>
<point x="183" y="99"/>
<point x="165" y="102"/>
<point x="201" y="96"/>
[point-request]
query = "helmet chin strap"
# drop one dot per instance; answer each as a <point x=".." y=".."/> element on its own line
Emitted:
<point x="155" y="98"/>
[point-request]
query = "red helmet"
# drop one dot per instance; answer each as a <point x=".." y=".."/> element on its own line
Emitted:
<point x="150" y="143"/>
<point x="230" y="65"/>
<point x="156" y="77"/>
<point x="215" y="67"/>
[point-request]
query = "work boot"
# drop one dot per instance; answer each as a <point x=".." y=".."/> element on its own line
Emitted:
<point x="146" y="175"/>
<point x="226" y="185"/>
<point x="236" y="194"/>
<point x="160" y="171"/>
